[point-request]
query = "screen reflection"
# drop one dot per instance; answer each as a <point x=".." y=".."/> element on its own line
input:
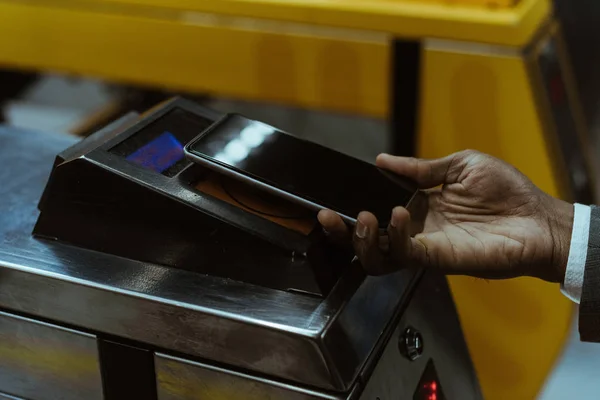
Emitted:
<point x="306" y="170"/>
<point x="239" y="146"/>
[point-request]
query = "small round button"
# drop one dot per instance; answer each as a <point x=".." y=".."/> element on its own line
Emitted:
<point x="411" y="344"/>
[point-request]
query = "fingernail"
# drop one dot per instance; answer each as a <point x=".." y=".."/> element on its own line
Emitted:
<point x="382" y="156"/>
<point x="361" y="230"/>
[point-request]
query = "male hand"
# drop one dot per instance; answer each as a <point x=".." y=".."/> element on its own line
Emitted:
<point x="479" y="216"/>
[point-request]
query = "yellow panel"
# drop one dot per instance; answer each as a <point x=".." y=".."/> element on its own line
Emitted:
<point x="317" y="72"/>
<point x="515" y="329"/>
<point x="500" y="25"/>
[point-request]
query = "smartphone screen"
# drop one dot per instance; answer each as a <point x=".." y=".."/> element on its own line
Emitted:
<point x="302" y="169"/>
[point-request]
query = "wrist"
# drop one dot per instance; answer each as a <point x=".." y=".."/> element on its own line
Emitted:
<point x="560" y="222"/>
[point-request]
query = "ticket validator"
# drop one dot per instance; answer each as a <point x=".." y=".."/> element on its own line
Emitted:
<point x="152" y="278"/>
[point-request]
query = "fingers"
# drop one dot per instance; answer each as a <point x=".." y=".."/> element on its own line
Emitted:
<point x="402" y="250"/>
<point x="405" y="251"/>
<point x="334" y="227"/>
<point x="427" y="173"/>
<point x="366" y="244"/>
<point x="399" y="234"/>
<point x="378" y="254"/>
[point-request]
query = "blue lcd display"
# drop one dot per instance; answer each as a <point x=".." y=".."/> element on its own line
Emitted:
<point x="159" y="154"/>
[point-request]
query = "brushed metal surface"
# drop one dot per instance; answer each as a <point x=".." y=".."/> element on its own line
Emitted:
<point x="321" y="343"/>
<point x="41" y="361"/>
<point x="178" y="379"/>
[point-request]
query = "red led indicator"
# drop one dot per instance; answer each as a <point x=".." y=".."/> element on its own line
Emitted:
<point x="430" y="391"/>
<point x="429" y="387"/>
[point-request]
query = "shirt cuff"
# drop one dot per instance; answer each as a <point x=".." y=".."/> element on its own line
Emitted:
<point x="573" y="284"/>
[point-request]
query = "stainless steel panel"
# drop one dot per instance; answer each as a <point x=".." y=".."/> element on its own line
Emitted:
<point x="39" y="361"/>
<point x="321" y="343"/>
<point x="178" y="379"/>
<point x="395" y="377"/>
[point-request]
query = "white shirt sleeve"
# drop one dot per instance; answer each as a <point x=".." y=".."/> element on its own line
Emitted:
<point x="573" y="284"/>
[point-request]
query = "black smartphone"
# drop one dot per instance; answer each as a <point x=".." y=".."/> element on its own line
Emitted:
<point x="299" y="170"/>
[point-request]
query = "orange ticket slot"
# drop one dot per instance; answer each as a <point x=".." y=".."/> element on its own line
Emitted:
<point x="252" y="200"/>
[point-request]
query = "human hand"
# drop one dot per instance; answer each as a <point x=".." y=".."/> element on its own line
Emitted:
<point x="486" y="220"/>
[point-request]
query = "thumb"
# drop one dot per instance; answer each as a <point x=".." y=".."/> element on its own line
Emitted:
<point x="427" y="173"/>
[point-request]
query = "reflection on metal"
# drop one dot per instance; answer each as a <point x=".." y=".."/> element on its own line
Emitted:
<point x="396" y="377"/>
<point x="178" y="379"/>
<point x="321" y="343"/>
<point x="254" y="341"/>
<point x="41" y="361"/>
